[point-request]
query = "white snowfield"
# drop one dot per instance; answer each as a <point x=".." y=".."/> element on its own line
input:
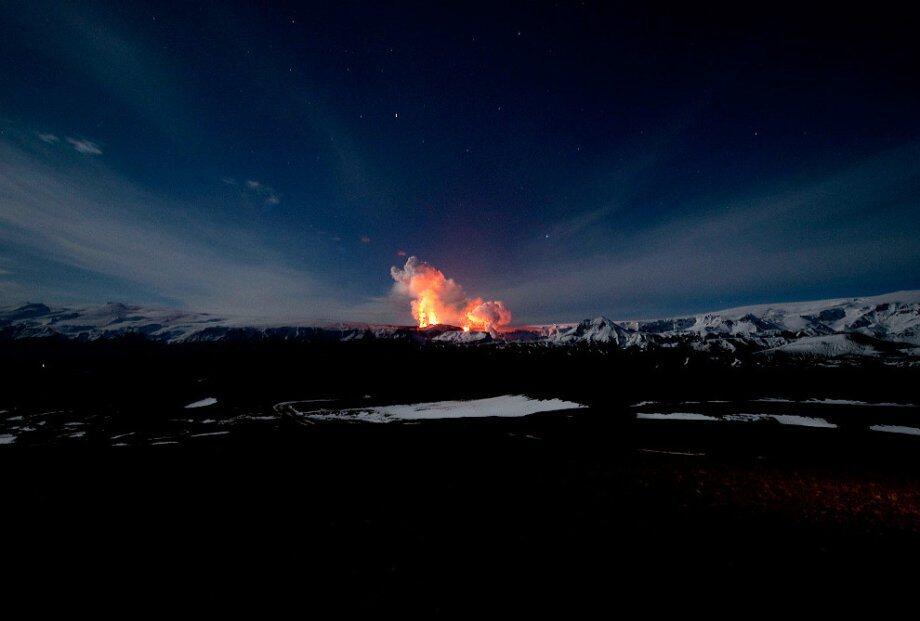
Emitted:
<point x="783" y="419"/>
<point x="812" y="401"/>
<point x="803" y="421"/>
<point x="831" y="346"/>
<point x="909" y="431"/>
<point x="896" y="312"/>
<point x="874" y="404"/>
<point x="462" y="337"/>
<point x="675" y="416"/>
<point x="597" y="330"/>
<point x="506" y="406"/>
<point x="876" y="326"/>
<point x="821" y="328"/>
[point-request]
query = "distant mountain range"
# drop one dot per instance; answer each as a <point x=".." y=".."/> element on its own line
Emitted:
<point x="885" y="326"/>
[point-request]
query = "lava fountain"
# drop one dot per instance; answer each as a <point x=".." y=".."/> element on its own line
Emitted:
<point x="437" y="299"/>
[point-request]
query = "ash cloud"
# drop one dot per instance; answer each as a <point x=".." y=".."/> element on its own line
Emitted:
<point x="437" y="299"/>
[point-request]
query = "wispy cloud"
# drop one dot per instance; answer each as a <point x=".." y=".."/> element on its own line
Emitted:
<point x="264" y="193"/>
<point x="84" y="146"/>
<point x="860" y="223"/>
<point x="93" y="220"/>
<point x="268" y="194"/>
<point x="49" y="138"/>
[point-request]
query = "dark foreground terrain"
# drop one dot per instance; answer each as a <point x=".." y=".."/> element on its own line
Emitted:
<point x="564" y="511"/>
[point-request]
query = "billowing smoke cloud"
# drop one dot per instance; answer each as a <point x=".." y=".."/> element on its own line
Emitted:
<point x="437" y="299"/>
<point x="490" y="313"/>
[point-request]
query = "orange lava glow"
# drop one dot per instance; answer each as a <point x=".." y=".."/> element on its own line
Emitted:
<point x="423" y="309"/>
<point x="438" y="300"/>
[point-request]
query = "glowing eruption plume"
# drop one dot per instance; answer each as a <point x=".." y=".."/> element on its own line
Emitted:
<point x="437" y="299"/>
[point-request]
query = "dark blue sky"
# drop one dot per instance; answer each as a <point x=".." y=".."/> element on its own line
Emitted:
<point x="569" y="159"/>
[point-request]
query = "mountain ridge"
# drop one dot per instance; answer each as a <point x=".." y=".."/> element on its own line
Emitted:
<point x="822" y="328"/>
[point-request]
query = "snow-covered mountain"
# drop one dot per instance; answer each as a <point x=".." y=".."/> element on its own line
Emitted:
<point x="890" y="317"/>
<point x="886" y="325"/>
<point x="597" y="330"/>
<point x="167" y="325"/>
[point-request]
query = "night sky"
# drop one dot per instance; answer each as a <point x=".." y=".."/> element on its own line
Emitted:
<point x="570" y="159"/>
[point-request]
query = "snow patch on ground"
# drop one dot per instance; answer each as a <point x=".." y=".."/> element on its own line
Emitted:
<point x="7" y="438"/>
<point x="665" y="452"/>
<point x="507" y="406"/>
<point x="802" y="421"/>
<point x="829" y="346"/>
<point x="201" y="404"/>
<point x="784" y="419"/>
<point x="675" y="416"/>
<point x="745" y="418"/>
<point x="911" y="431"/>
<point x="837" y="402"/>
